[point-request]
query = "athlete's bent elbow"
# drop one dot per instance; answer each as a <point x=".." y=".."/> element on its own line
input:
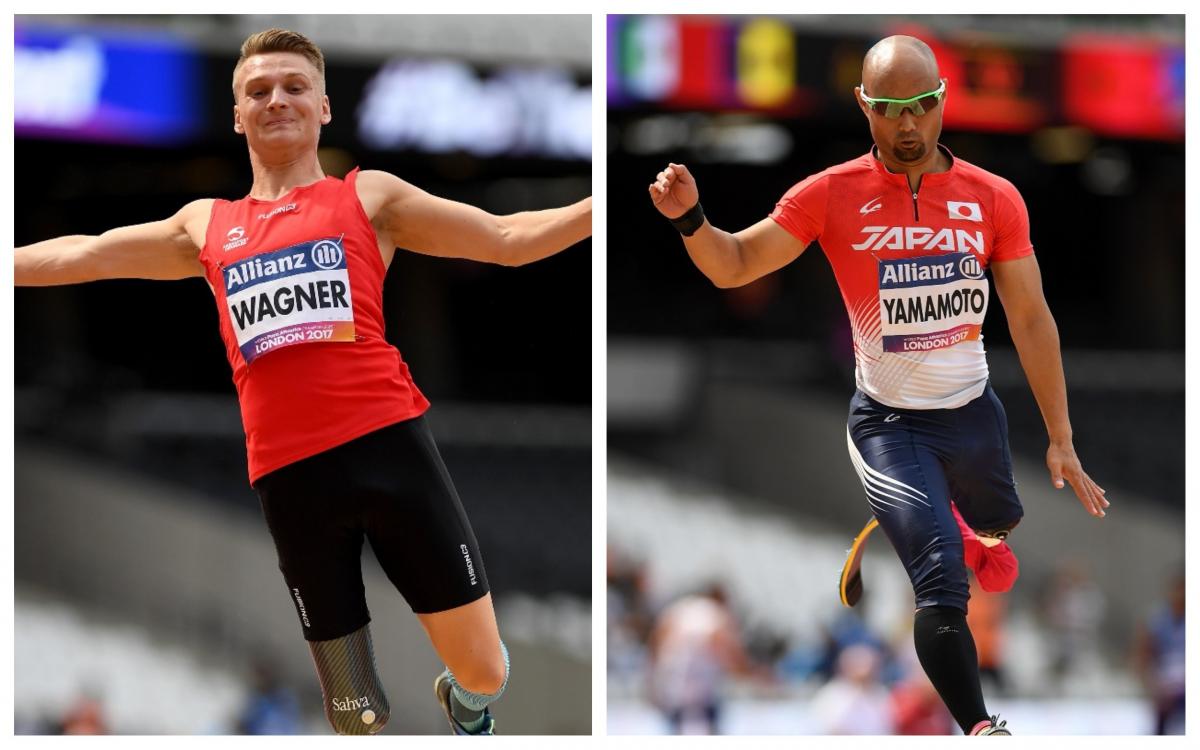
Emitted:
<point x="505" y="249"/>
<point x="728" y="280"/>
<point x="520" y="252"/>
<point x="509" y="256"/>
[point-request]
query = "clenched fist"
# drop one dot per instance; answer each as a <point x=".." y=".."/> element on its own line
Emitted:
<point x="674" y="191"/>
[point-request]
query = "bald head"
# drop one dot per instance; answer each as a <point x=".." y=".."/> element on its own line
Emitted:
<point x="898" y="67"/>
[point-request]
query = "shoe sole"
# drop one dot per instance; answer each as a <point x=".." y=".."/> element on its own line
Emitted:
<point x="443" y="698"/>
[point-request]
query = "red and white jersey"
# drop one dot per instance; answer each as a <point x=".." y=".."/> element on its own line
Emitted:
<point x="911" y="270"/>
<point x="298" y="283"/>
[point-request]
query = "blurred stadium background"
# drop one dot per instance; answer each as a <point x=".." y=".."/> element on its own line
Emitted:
<point x="727" y="458"/>
<point x="148" y="599"/>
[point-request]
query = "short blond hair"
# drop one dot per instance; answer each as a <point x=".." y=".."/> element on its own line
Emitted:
<point x="281" y="40"/>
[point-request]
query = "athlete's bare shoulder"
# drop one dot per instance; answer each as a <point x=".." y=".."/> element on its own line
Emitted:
<point x="380" y="191"/>
<point x="383" y="195"/>
<point x="193" y="220"/>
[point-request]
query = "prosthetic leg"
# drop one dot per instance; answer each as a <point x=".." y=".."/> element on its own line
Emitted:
<point x="984" y="552"/>
<point x="354" y="699"/>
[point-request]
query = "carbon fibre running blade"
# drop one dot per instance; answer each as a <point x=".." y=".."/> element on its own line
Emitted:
<point x="850" y="587"/>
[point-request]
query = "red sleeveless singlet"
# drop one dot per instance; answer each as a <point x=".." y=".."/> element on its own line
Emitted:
<point x="298" y="284"/>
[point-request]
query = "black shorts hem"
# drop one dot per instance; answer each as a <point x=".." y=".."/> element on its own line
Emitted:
<point x="321" y="636"/>
<point x="431" y="608"/>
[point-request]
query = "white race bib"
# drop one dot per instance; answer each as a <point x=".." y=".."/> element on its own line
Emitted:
<point x="931" y="302"/>
<point x="296" y="295"/>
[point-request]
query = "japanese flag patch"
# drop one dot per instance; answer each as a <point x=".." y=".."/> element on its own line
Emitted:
<point x="965" y="211"/>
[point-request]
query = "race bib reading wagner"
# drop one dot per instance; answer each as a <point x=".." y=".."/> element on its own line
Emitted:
<point x="296" y="295"/>
<point x="931" y="302"/>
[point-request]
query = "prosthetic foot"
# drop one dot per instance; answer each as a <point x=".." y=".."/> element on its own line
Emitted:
<point x="850" y="588"/>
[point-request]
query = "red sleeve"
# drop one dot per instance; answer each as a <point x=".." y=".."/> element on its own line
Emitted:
<point x="801" y="210"/>
<point x="1012" y="225"/>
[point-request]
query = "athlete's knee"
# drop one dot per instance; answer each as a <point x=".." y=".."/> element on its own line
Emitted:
<point x="941" y="610"/>
<point x="354" y="699"/>
<point x="947" y="597"/>
<point x="939" y="577"/>
<point x="483" y="679"/>
<point x="485" y="676"/>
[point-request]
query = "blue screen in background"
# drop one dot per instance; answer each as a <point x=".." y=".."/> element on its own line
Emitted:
<point x="91" y="85"/>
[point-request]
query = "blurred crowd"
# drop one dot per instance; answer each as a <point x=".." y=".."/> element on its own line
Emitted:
<point x="689" y="654"/>
<point x="270" y="707"/>
<point x="84" y="715"/>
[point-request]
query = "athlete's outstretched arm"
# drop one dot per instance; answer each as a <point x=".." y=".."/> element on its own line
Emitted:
<point x="727" y="259"/>
<point x="427" y="224"/>
<point x="162" y="250"/>
<point x="1034" y="333"/>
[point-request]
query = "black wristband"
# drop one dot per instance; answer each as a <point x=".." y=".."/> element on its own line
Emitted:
<point x="690" y="221"/>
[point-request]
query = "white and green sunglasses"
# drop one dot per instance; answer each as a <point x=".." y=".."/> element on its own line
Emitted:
<point x="893" y="108"/>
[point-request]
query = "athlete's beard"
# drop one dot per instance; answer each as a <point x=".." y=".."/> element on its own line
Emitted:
<point x="909" y="155"/>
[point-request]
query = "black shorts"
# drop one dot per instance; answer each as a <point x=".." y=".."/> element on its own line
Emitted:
<point x="913" y="462"/>
<point x="390" y="486"/>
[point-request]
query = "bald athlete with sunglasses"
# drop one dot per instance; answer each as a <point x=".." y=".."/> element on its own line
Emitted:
<point x="910" y="231"/>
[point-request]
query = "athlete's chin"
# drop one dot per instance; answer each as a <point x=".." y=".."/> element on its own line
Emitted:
<point x="282" y="140"/>
<point x="910" y="154"/>
<point x="279" y="134"/>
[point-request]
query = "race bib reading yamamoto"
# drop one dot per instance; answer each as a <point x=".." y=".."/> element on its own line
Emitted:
<point x="296" y="295"/>
<point x="931" y="302"/>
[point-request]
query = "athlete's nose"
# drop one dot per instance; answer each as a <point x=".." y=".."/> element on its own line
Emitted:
<point x="277" y="98"/>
